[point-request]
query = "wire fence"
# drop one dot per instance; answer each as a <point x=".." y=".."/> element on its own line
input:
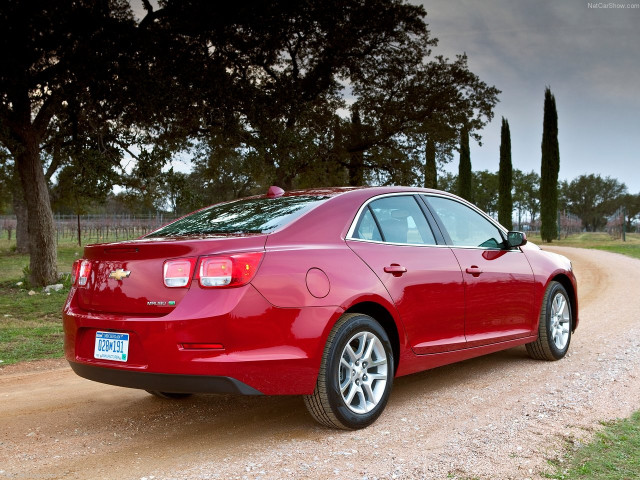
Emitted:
<point x="616" y="224"/>
<point x="568" y="223"/>
<point x="114" y="228"/>
<point x="96" y="228"/>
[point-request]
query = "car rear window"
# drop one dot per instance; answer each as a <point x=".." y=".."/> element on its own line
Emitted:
<point x="256" y="215"/>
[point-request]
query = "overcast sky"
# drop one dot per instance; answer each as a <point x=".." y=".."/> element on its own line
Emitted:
<point x="590" y="57"/>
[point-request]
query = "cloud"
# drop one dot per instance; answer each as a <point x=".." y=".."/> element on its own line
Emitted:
<point x="538" y="43"/>
<point x="589" y="57"/>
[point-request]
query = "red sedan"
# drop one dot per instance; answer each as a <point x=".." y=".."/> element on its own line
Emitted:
<point x="328" y="294"/>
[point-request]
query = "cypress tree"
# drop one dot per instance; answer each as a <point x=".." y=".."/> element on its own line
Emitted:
<point x="549" y="169"/>
<point x="505" y="178"/>
<point x="464" y="168"/>
<point x="430" y="173"/>
<point x="356" y="161"/>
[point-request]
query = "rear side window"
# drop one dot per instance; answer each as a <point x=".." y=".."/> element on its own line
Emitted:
<point x="398" y="219"/>
<point x="367" y="228"/>
<point x="256" y="215"/>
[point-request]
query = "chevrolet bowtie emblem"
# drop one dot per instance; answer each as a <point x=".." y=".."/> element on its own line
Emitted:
<point x="119" y="274"/>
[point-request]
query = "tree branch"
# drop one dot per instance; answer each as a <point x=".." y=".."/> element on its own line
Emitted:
<point x="151" y="14"/>
<point x="56" y="161"/>
<point x="147" y="6"/>
<point x="125" y="147"/>
<point x="46" y="113"/>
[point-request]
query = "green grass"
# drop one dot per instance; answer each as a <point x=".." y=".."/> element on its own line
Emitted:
<point x="598" y="241"/>
<point x="12" y="264"/>
<point x="613" y="455"/>
<point x="628" y="250"/>
<point x="30" y="325"/>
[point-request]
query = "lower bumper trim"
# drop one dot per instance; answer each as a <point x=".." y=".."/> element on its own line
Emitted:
<point x="163" y="382"/>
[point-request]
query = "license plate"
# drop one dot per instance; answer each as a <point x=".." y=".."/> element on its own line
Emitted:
<point x="111" y="346"/>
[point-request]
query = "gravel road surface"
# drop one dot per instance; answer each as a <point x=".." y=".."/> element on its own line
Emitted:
<point x="502" y="416"/>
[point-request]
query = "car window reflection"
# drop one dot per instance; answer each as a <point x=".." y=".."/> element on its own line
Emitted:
<point x="256" y="215"/>
<point x="394" y="219"/>
<point x="465" y="226"/>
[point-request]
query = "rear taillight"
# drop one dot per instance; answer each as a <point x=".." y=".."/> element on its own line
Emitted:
<point x="228" y="270"/>
<point x="74" y="271"/>
<point x="83" y="272"/>
<point x="178" y="273"/>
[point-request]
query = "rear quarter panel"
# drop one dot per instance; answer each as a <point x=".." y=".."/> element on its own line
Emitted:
<point x="316" y="241"/>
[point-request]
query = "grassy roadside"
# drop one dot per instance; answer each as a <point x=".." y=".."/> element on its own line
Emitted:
<point x="614" y="454"/>
<point x="30" y="325"/>
<point x="598" y="241"/>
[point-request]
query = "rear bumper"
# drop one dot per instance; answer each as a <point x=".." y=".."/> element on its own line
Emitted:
<point x="266" y="350"/>
<point x="163" y="382"/>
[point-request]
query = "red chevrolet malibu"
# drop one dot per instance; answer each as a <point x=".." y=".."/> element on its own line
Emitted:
<point x="328" y="294"/>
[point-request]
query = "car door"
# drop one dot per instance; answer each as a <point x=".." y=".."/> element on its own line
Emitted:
<point x="499" y="283"/>
<point x="394" y="238"/>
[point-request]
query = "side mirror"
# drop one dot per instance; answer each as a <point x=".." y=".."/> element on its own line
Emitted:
<point x="516" y="239"/>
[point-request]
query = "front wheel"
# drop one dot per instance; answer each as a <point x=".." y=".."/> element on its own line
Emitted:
<point x="356" y="374"/>
<point x="554" y="328"/>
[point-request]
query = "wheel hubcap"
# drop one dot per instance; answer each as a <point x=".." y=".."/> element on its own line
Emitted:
<point x="560" y="321"/>
<point x="363" y="372"/>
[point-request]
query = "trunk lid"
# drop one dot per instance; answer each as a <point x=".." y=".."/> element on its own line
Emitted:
<point x="128" y="277"/>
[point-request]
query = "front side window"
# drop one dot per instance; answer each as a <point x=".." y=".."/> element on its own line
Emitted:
<point x="398" y="219"/>
<point x="255" y="215"/>
<point x="466" y="227"/>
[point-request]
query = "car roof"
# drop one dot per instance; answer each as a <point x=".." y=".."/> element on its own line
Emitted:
<point x="370" y="190"/>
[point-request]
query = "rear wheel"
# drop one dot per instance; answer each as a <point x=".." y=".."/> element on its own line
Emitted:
<point x="356" y="374"/>
<point x="554" y="329"/>
<point x="169" y="395"/>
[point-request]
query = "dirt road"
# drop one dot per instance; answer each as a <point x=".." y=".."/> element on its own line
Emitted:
<point x="501" y="416"/>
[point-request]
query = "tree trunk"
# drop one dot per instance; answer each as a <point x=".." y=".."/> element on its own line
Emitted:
<point x="42" y="238"/>
<point x="505" y="178"/>
<point x="283" y="179"/>
<point x="430" y="171"/>
<point x="356" y="169"/>
<point x="79" y="232"/>
<point x="356" y="160"/>
<point x="464" y="168"/>
<point x="519" y="220"/>
<point x="22" y="219"/>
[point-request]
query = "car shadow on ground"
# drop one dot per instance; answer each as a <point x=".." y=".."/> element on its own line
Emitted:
<point x="286" y="416"/>
<point x="221" y="427"/>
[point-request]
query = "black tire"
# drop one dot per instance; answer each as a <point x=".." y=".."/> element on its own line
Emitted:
<point x="169" y="395"/>
<point x="550" y="344"/>
<point x="327" y="403"/>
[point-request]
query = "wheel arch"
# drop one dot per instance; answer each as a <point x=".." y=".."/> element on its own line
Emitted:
<point x="381" y="315"/>
<point x="566" y="282"/>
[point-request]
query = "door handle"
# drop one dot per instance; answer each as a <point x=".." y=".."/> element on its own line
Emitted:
<point x="395" y="269"/>
<point x="474" y="270"/>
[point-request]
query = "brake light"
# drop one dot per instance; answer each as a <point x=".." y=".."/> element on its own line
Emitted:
<point x="228" y="270"/>
<point x="178" y="273"/>
<point x="74" y="272"/>
<point x="84" y="270"/>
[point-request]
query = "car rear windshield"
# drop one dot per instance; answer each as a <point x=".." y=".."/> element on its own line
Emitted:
<point x="257" y="215"/>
